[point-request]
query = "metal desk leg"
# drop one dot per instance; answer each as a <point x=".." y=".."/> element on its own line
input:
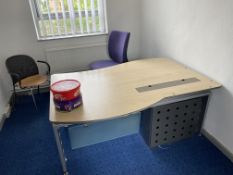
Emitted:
<point x="33" y="98"/>
<point x="60" y="148"/>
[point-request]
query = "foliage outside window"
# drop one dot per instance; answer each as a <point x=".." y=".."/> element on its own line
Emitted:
<point x="68" y="18"/>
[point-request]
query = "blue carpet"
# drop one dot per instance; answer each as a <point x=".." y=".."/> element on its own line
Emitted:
<point x="27" y="147"/>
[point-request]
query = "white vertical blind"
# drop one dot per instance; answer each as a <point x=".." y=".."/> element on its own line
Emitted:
<point x="86" y="15"/>
<point x="49" y="15"/>
<point x="72" y="16"/>
<point x="64" y="16"/>
<point x="43" y="29"/>
<point x="93" y="14"/>
<point x="80" y="16"/>
<point x="100" y="12"/>
<point x="58" y="26"/>
<point x="67" y="18"/>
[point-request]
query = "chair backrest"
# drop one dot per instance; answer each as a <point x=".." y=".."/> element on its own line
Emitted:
<point x="118" y="46"/>
<point x="22" y="65"/>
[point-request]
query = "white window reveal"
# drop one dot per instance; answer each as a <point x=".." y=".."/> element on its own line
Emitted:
<point x="55" y="19"/>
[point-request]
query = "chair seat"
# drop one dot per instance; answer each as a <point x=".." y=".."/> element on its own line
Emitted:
<point x="102" y="64"/>
<point x="34" y="80"/>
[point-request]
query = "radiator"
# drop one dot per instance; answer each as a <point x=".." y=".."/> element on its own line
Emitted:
<point x="75" y="58"/>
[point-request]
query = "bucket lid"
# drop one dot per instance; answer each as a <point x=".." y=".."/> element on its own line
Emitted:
<point x="65" y="85"/>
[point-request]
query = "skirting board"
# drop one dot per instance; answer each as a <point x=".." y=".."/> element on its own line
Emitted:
<point x="8" y="107"/>
<point x="5" y="115"/>
<point x="219" y="145"/>
<point x="2" y="120"/>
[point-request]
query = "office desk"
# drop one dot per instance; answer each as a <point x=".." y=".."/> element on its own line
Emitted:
<point x="125" y="89"/>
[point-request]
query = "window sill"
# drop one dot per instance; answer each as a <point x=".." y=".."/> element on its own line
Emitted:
<point x="68" y="37"/>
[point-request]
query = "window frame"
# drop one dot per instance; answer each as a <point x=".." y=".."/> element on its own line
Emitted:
<point x="34" y="13"/>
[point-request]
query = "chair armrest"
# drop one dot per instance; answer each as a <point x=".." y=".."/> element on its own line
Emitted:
<point x="15" y="78"/>
<point x="47" y="64"/>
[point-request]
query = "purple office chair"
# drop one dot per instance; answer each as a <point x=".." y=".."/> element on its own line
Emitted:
<point x="117" y="50"/>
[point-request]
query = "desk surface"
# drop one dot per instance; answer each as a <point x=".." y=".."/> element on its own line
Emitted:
<point x="112" y="92"/>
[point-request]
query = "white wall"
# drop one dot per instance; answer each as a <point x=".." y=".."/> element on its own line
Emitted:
<point x="18" y="36"/>
<point x="3" y="99"/>
<point x="198" y="33"/>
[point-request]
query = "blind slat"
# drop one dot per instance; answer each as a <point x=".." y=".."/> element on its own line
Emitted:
<point x="93" y="14"/>
<point x="50" y="19"/>
<point x="72" y="16"/>
<point x="57" y="18"/>
<point x="86" y="15"/>
<point x="43" y="31"/>
<point x="64" y="16"/>
<point x="80" y="16"/>
<point x="100" y="12"/>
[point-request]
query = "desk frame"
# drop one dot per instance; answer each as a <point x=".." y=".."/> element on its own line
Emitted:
<point x="56" y="127"/>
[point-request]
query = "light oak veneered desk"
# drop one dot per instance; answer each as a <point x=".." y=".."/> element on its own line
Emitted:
<point x="125" y="89"/>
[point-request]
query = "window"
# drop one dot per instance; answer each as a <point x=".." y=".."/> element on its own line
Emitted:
<point x="68" y="18"/>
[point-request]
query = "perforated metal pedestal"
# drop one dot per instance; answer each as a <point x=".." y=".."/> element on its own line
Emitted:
<point x="172" y="122"/>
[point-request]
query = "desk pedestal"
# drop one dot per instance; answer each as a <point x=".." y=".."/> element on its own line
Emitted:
<point x="172" y="122"/>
